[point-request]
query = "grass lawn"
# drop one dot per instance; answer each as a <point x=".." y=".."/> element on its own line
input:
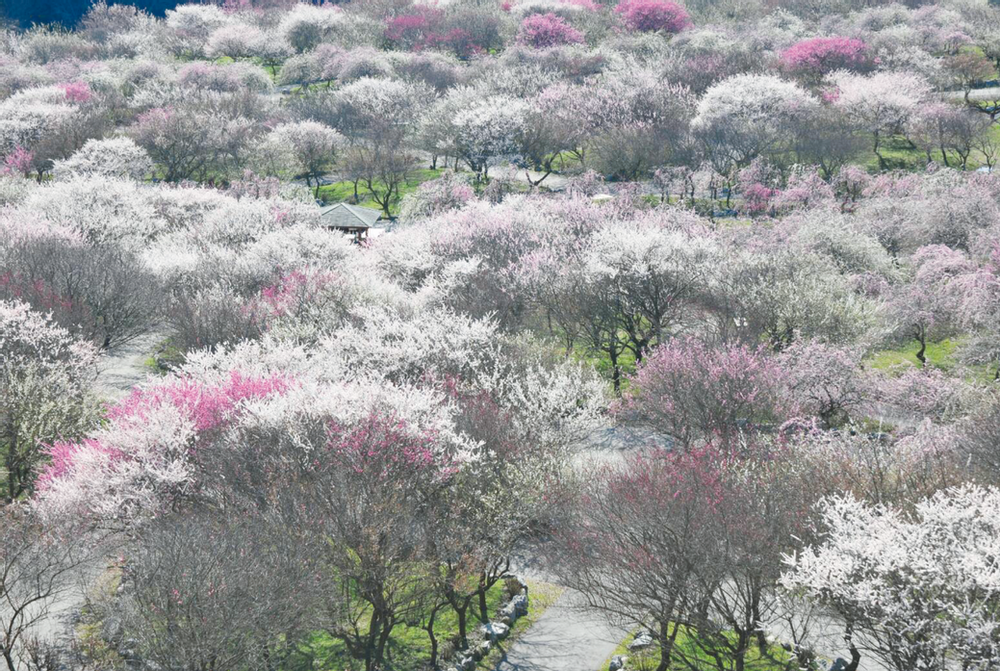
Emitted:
<point x="339" y="192"/>
<point x="409" y="647"/>
<point x="648" y="659"/>
<point x="899" y="155"/>
<point x="940" y="355"/>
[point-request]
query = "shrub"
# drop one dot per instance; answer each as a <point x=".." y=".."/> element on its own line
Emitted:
<point x="821" y="55"/>
<point x="653" y="15"/>
<point x="547" y="30"/>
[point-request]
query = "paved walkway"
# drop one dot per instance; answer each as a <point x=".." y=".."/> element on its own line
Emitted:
<point x="565" y="638"/>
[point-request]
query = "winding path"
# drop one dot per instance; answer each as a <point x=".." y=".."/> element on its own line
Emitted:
<point x="565" y="638"/>
<point x="121" y="368"/>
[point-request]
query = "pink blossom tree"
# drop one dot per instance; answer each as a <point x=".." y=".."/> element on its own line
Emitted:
<point x="653" y="15"/>
<point x="371" y="551"/>
<point x="816" y="57"/>
<point x="20" y="161"/>
<point x="542" y="31"/>
<point x="131" y="469"/>
<point x="415" y="30"/>
<point x="825" y="381"/>
<point x="686" y="543"/>
<point x="695" y="392"/>
<point x="926" y="307"/>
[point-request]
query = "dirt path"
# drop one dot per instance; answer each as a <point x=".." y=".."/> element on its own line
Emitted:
<point x="121" y="368"/>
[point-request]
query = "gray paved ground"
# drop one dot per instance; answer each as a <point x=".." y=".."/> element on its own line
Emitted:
<point x="565" y="638"/>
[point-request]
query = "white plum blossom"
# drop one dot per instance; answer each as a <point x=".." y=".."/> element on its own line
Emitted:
<point x="749" y="115"/>
<point x="920" y="588"/>
<point x="304" y="26"/>
<point x="112" y="157"/>
<point x="487" y="131"/>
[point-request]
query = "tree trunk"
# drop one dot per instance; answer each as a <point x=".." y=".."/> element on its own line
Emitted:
<point x="432" y="637"/>
<point x="461" y="612"/>
<point x="484" y="614"/>
<point x="371" y="642"/>
<point x="12" y="487"/>
<point x="382" y="641"/>
<point x="616" y="377"/>
<point x="855" y="654"/>
<point x="666" y="644"/>
<point x="922" y="339"/>
<point x="9" y="658"/>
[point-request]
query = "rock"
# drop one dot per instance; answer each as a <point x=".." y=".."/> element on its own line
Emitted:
<point x="496" y="631"/>
<point x="509" y="612"/>
<point x="112" y="630"/>
<point x="128" y="648"/>
<point x="641" y="642"/>
<point x="618" y="662"/>
<point x="520" y="603"/>
<point x="468" y="663"/>
<point x="515" y="585"/>
<point x="482" y="650"/>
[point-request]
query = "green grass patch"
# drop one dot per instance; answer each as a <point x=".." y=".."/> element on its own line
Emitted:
<point x="940" y="355"/>
<point x="696" y="658"/>
<point x="409" y="647"/>
<point x="943" y="355"/>
<point x="343" y="191"/>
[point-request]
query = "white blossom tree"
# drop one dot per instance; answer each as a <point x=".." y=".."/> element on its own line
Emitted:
<point x="45" y="375"/>
<point x="919" y="589"/>
<point x="880" y="104"/>
<point x="746" y="116"/>
<point x="112" y="157"/>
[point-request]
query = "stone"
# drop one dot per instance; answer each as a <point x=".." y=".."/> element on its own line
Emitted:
<point x="641" y="642"/>
<point x="112" y="630"/>
<point x="496" y="631"/>
<point x="509" y="611"/>
<point x="468" y="663"/>
<point x="618" y="663"/>
<point x="482" y="650"/>
<point x="520" y="603"/>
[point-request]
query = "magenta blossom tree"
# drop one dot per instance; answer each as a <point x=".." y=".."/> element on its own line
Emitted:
<point x="547" y="30"/>
<point x="818" y="56"/>
<point x="145" y="459"/>
<point x="670" y="537"/>
<point x="20" y="161"/>
<point x="692" y="391"/>
<point x="653" y="15"/>
<point x="415" y="30"/>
